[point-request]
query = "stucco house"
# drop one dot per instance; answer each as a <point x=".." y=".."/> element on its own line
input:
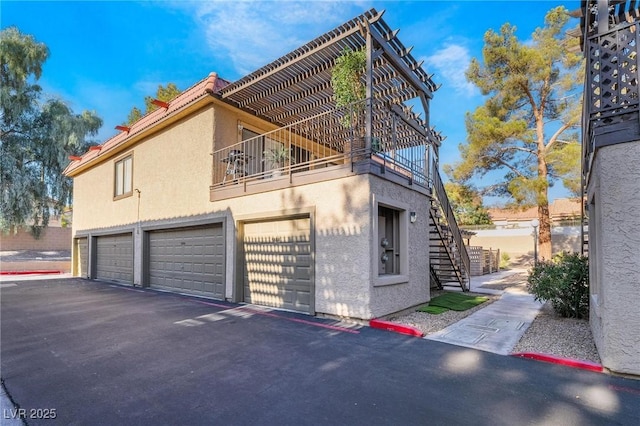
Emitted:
<point x="264" y="191"/>
<point x="561" y="212"/>
<point x="611" y="178"/>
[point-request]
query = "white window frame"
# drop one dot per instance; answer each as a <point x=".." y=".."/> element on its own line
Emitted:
<point x="123" y="177"/>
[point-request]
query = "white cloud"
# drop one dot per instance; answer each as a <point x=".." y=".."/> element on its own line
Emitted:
<point x="251" y="34"/>
<point x="450" y="64"/>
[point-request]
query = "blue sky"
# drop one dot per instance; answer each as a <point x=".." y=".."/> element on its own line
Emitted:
<point x="107" y="56"/>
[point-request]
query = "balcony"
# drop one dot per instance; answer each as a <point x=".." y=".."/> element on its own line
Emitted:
<point x="328" y="146"/>
<point x="611" y="96"/>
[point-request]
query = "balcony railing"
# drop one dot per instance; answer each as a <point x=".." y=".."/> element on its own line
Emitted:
<point x="611" y="89"/>
<point x="334" y="138"/>
<point x="611" y="94"/>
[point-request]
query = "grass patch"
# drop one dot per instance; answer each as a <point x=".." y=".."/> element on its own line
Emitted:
<point x="452" y="301"/>
<point x="434" y="310"/>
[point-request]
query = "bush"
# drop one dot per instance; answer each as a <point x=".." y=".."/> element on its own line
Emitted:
<point x="505" y="260"/>
<point x="565" y="282"/>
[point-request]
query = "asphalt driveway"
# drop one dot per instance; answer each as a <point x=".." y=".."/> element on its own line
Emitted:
<point x="96" y="353"/>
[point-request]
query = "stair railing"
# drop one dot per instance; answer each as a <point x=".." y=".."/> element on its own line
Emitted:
<point x="441" y="196"/>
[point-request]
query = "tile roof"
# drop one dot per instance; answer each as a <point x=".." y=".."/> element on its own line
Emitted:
<point x="558" y="209"/>
<point x="210" y="85"/>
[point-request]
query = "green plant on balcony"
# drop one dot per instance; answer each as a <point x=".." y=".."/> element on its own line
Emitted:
<point x="278" y="157"/>
<point x="347" y="83"/>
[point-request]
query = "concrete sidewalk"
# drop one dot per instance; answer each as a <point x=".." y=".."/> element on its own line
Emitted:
<point x="498" y="327"/>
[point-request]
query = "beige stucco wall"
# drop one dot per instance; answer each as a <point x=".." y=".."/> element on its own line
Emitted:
<point x="517" y="245"/>
<point x="341" y="210"/>
<point x="614" y="232"/>
<point x="346" y="282"/>
<point x="389" y="298"/>
<point x="171" y="169"/>
<point x="228" y="119"/>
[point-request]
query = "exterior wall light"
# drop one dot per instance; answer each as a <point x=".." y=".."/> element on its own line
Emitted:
<point x="413" y="217"/>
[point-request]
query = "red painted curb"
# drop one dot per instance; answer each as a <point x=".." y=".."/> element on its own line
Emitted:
<point x="398" y="328"/>
<point x="584" y="365"/>
<point x="44" y="272"/>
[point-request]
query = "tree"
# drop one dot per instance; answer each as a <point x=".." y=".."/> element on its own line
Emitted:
<point x="36" y="137"/>
<point x="164" y="94"/>
<point x="467" y="205"/>
<point x="522" y="128"/>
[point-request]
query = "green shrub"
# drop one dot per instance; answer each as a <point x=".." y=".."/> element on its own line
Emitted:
<point x="565" y="282"/>
<point x="504" y="260"/>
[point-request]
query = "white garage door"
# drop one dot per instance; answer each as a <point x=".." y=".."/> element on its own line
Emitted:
<point x="188" y="260"/>
<point x="114" y="258"/>
<point x="278" y="264"/>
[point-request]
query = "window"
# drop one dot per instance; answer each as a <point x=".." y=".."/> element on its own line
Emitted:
<point x="389" y="241"/>
<point x="258" y="162"/>
<point x="123" y="177"/>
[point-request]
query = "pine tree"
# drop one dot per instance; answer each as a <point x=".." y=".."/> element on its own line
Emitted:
<point x="523" y="128"/>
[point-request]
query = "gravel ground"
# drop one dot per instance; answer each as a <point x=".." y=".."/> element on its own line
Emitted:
<point x="548" y="334"/>
<point x="428" y="323"/>
<point x="565" y="337"/>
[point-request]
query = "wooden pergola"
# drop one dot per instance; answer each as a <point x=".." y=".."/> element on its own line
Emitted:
<point x="297" y="86"/>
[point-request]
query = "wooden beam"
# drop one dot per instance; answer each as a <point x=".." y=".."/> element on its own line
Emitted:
<point x="400" y="65"/>
<point x="287" y="83"/>
<point x="292" y="59"/>
<point x="296" y="97"/>
<point x="390" y="36"/>
<point x="425" y="106"/>
<point x="417" y="65"/>
<point x="409" y="121"/>
<point x="369" y="89"/>
<point x="303" y="108"/>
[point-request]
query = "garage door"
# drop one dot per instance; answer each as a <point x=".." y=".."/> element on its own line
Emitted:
<point x="114" y="258"/>
<point x="188" y="260"/>
<point x="278" y="264"/>
<point x="82" y="252"/>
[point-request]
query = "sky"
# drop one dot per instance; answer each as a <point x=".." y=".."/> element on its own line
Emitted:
<point x="106" y="56"/>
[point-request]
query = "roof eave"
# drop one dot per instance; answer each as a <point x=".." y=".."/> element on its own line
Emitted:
<point x="75" y="168"/>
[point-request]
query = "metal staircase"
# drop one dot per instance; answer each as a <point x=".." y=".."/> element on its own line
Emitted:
<point x="448" y="258"/>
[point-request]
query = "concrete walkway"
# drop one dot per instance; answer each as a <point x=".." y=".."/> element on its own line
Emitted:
<point x="498" y="327"/>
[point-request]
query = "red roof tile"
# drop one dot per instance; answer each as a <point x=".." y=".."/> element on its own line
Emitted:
<point x="206" y="87"/>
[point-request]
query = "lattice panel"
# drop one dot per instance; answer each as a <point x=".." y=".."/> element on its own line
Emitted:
<point x="613" y="73"/>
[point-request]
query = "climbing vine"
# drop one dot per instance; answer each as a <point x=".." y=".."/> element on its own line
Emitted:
<point x="346" y="77"/>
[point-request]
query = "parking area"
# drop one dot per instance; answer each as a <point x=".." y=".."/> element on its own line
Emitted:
<point x="98" y="353"/>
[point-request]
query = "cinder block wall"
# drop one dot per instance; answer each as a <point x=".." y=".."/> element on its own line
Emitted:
<point x="55" y="238"/>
